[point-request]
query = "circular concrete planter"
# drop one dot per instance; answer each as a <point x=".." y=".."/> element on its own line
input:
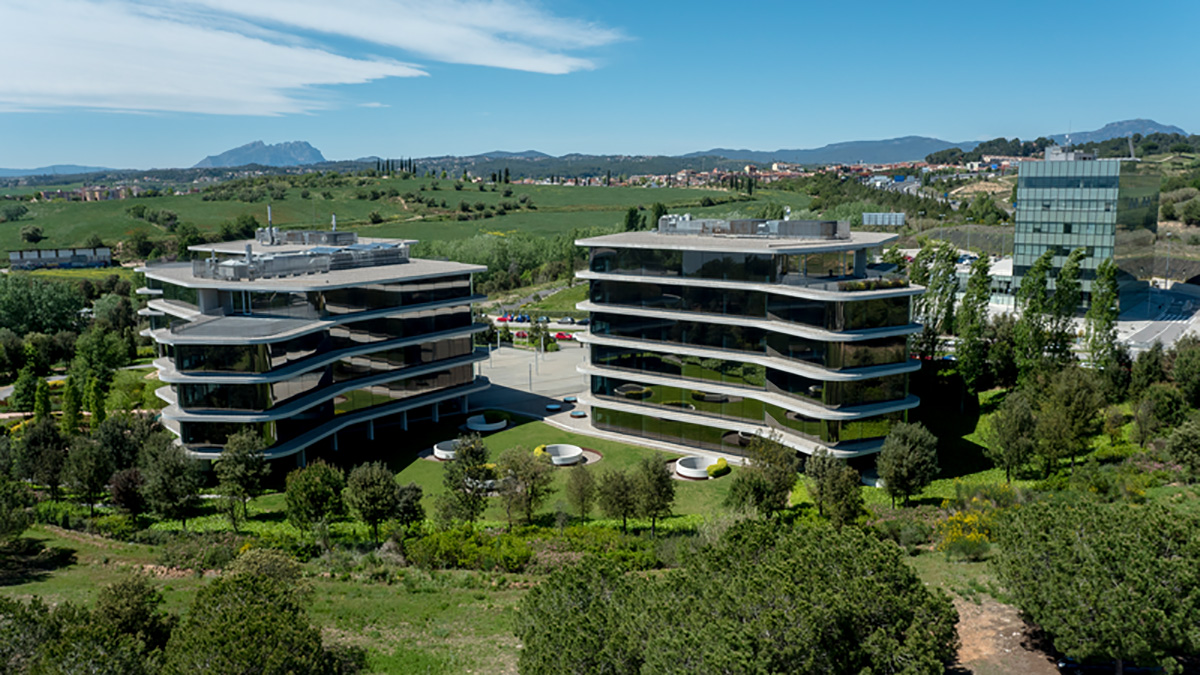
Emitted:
<point x="744" y="438"/>
<point x="479" y="423"/>
<point x="694" y="466"/>
<point x="680" y="404"/>
<point x="563" y="454"/>
<point x="446" y="450"/>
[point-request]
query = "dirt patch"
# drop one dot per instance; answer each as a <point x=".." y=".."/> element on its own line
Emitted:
<point x="164" y="572"/>
<point x="975" y="188"/>
<point x="995" y="639"/>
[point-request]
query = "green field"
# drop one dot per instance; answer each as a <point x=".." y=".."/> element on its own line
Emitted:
<point x="557" y="210"/>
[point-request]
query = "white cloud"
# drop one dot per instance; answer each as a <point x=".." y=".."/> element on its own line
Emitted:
<point x="373" y="104"/>
<point x="255" y="58"/>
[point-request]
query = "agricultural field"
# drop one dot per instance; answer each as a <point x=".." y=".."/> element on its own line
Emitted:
<point x="546" y="210"/>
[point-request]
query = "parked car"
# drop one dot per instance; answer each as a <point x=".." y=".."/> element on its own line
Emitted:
<point x="583" y="322"/>
<point x="567" y="320"/>
<point x="502" y="319"/>
<point x="563" y="336"/>
<point x="523" y="318"/>
<point x="521" y="334"/>
<point x="543" y="319"/>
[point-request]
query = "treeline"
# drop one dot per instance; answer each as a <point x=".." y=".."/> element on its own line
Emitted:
<point x="997" y="146"/>
<point x="516" y="259"/>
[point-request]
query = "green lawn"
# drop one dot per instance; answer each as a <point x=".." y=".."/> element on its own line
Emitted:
<point x="561" y="303"/>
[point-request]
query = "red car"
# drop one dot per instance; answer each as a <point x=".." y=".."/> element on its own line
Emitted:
<point x="564" y="336"/>
<point x="502" y="318"/>
<point x="521" y="334"/>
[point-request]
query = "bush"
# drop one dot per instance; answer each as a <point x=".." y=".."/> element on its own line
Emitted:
<point x="966" y="534"/>
<point x="719" y="469"/>
<point x="909" y="533"/>
<point x="467" y="548"/>
<point x="115" y="526"/>
<point x="202" y="552"/>
<point x="67" y="515"/>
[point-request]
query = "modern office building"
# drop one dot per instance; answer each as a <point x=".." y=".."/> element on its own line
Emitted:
<point x="1107" y="206"/>
<point x="302" y="335"/>
<point x="707" y="332"/>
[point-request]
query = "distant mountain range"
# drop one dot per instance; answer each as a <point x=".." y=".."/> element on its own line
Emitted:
<point x="912" y="148"/>
<point x="851" y="152"/>
<point x="1117" y="130"/>
<point x="54" y="169"/>
<point x="294" y="153"/>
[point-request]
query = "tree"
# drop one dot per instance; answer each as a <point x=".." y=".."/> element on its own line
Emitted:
<point x="1067" y="298"/>
<point x="247" y="623"/>
<point x="1183" y="445"/>
<point x="409" y="511"/>
<point x="467" y="480"/>
<point x="1070" y="402"/>
<point x="908" y="461"/>
<point x="657" y="211"/>
<point x="856" y="607"/>
<point x="24" y="394"/>
<point x="633" y="220"/>
<point x="314" y="495"/>
<point x="41" y="400"/>
<point x="1125" y="589"/>
<point x="71" y="419"/>
<point x="1185" y="371"/>
<point x="372" y="493"/>
<point x="1010" y="434"/>
<point x="172" y="479"/>
<point x="1102" y="315"/>
<point x="524" y="481"/>
<point x="1190" y="213"/>
<point x="972" y="325"/>
<point x="655" y="489"/>
<point x="95" y="400"/>
<point x="843" y="495"/>
<point x="934" y="268"/>
<point x="618" y="496"/>
<point x="32" y="234"/>
<point x="1031" y="336"/>
<point x="820" y="468"/>
<point x="14" y="212"/>
<point x="241" y="470"/>
<point x="87" y="471"/>
<point x="765" y="483"/>
<point x="581" y="490"/>
<point x="1148" y="368"/>
<point x="1002" y="355"/>
<point x="1161" y="406"/>
<point x="125" y="491"/>
<point x="15" y="500"/>
<point x="43" y="453"/>
<point x="133" y="607"/>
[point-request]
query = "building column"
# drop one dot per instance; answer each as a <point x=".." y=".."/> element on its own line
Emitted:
<point x="335" y="441"/>
<point x="404" y="421"/>
<point x="465" y="404"/>
<point x="860" y="262"/>
<point x="301" y="459"/>
<point x="436" y="417"/>
<point x="370" y="430"/>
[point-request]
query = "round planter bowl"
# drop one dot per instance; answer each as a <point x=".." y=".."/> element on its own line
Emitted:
<point x="446" y="450"/>
<point x="744" y="438"/>
<point x="553" y="407"/>
<point x="694" y="466"/>
<point x="578" y="413"/>
<point x="479" y="423"/>
<point x="563" y="454"/>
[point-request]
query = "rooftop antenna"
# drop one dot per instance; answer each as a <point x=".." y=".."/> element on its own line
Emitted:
<point x="335" y="222"/>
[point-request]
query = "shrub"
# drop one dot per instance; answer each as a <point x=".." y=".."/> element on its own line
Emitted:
<point x="909" y="533"/>
<point x="67" y="515"/>
<point x="719" y="469"/>
<point x="467" y="548"/>
<point x="966" y="534"/>
<point x="202" y="552"/>
<point x="116" y="526"/>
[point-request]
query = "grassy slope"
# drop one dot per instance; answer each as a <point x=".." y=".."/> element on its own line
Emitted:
<point x="559" y="209"/>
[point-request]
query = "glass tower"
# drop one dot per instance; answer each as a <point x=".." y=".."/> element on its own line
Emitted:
<point x="1107" y="207"/>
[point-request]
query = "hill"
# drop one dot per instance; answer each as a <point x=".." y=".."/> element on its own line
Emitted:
<point x="294" y="153"/>
<point x="1118" y="130"/>
<point x="850" y="152"/>
<point x="52" y="170"/>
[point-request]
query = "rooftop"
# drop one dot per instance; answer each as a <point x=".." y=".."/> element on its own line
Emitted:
<point x="415" y="269"/>
<point x="739" y="243"/>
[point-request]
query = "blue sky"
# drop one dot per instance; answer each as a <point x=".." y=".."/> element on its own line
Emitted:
<point x="132" y="83"/>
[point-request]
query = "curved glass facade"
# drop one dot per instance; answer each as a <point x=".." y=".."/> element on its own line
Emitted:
<point x="836" y="316"/>
<point x="832" y="355"/>
<point x="262" y="358"/>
